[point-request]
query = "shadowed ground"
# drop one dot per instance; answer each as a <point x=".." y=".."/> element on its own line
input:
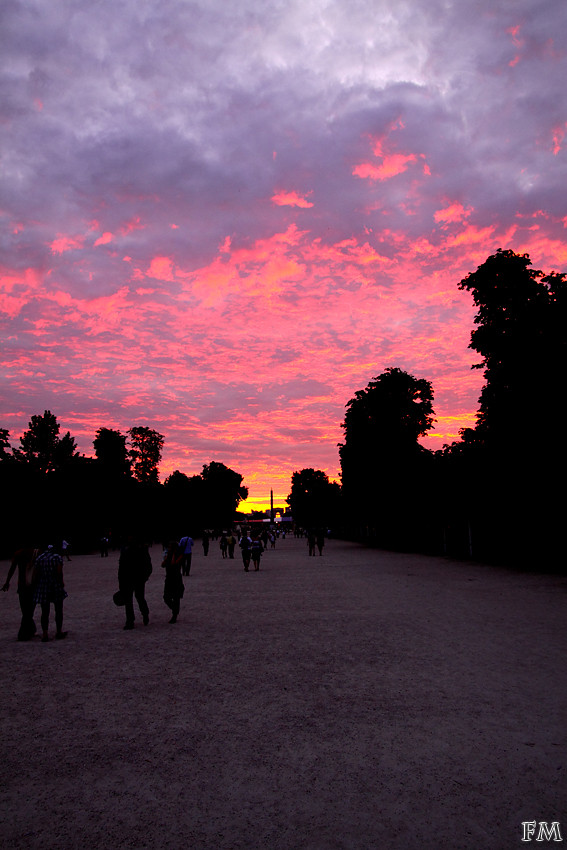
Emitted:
<point x="360" y="700"/>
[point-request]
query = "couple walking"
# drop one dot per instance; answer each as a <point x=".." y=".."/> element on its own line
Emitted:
<point x="251" y="551"/>
<point x="135" y="568"/>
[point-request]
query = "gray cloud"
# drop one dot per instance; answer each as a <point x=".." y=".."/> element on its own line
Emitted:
<point x="141" y="130"/>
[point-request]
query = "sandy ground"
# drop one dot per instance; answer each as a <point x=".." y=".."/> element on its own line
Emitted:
<point x="358" y="700"/>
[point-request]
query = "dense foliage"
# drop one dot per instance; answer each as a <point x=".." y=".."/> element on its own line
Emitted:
<point x="505" y="472"/>
<point x="494" y="494"/>
<point x="384" y="469"/>
<point x="314" y="500"/>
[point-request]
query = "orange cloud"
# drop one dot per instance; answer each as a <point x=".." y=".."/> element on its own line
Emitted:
<point x="390" y="167"/>
<point x="471" y="235"/>
<point x="291" y="199"/>
<point x="453" y="213"/>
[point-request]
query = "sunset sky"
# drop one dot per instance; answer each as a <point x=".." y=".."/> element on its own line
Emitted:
<point x="221" y="220"/>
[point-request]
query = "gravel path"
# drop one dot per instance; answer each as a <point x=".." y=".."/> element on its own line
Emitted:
<point x="358" y="700"/>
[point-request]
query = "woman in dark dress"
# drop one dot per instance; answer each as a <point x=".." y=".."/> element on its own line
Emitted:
<point x="174" y="588"/>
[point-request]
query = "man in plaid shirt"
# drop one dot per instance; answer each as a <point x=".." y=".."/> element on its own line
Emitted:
<point x="50" y="588"/>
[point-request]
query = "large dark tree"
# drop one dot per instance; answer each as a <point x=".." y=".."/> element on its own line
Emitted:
<point x="145" y="452"/>
<point x="182" y="505"/>
<point x="314" y="500"/>
<point x="222" y="493"/>
<point x="515" y="456"/>
<point x="383" y="465"/>
<point x="111" y="452"/>
<point x="41" y="445"/>
<point x="521" y="338"/>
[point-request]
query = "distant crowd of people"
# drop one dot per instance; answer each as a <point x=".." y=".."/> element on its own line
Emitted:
<point x="40" y="573"/>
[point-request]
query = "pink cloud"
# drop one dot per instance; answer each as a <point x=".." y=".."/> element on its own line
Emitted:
<point x="291" y="199"/>
<point x="558" y="137"/>
<point x="132" y="225"/>
<point x="161" y="268"/>
<point x="453" y="213"/>
<point x="104" y="239"/>
<point x="66" y="243"/>
<point x="389" y="167"/>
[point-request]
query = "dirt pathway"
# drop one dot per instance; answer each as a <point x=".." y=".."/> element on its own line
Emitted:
<point x="360" y="700"/>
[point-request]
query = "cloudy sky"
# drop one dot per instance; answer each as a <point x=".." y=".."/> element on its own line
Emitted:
<point x="221" y="220"/>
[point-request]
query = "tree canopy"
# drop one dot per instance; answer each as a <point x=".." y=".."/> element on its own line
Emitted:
<point x="313" y="499"/>
<point x="521" y="338"/>
<point x="394" y="407"/>
<point x="222" y="493"/>
<point x="382" y="462"/>
<point x="145" y="452"/>
<point x="111" y="451"/>
<point x="41" y="445"/>
<point x="86" y="498"/>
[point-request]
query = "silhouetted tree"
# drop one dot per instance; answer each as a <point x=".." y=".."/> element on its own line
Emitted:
<point x="41" y="445"/>
<point x="145" y="452"/>
<point x="516" y="453"/>
<point x="222" y="493"/>
<point x="111" y="452"/>
<point x="182" y="505"/>
<point x="383" y="465"/>
<point x="314" y="500"/>
<point x="5" y="447"/>
<point x="520" y="335"/>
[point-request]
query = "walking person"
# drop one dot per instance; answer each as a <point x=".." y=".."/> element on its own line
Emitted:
<point x="50" y="588"/>
<point x="186" y="545"/>
<point x="245" y="546"/>
<point x="134" y="569"/>
<point x="231" y="540"/>
<point x="65" y="546"/>
<point x="320" y="540"/>
<point x="24" y="561"/>
<point x="174" y="588"/>
<point x="256" y="552"/>
<point x="206" y="542"/>
<point x="311" y="541"/>
<point x="223" y="544"/>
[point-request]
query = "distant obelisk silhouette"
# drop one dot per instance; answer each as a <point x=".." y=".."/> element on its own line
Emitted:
<point x="271" y="505"/>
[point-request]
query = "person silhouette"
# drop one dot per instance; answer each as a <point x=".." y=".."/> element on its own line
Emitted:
<point x="134" y="569"/>
<point x="311" y="541"/>
<point x="256" y="552"/>
<point x="231" y="540"/>
<point x="223" y="545"/>
<point x="50" y="588"/>
<point x="245" y="546"/>
<point x="173" y="588"/>
<point x="206" y="540"/>
<point x="24" y="561"/>
<point x="186" y="545"/>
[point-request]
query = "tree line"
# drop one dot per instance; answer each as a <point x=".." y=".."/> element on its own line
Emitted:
<point x="54" y="492"/>
<point x="498" y="493"/>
